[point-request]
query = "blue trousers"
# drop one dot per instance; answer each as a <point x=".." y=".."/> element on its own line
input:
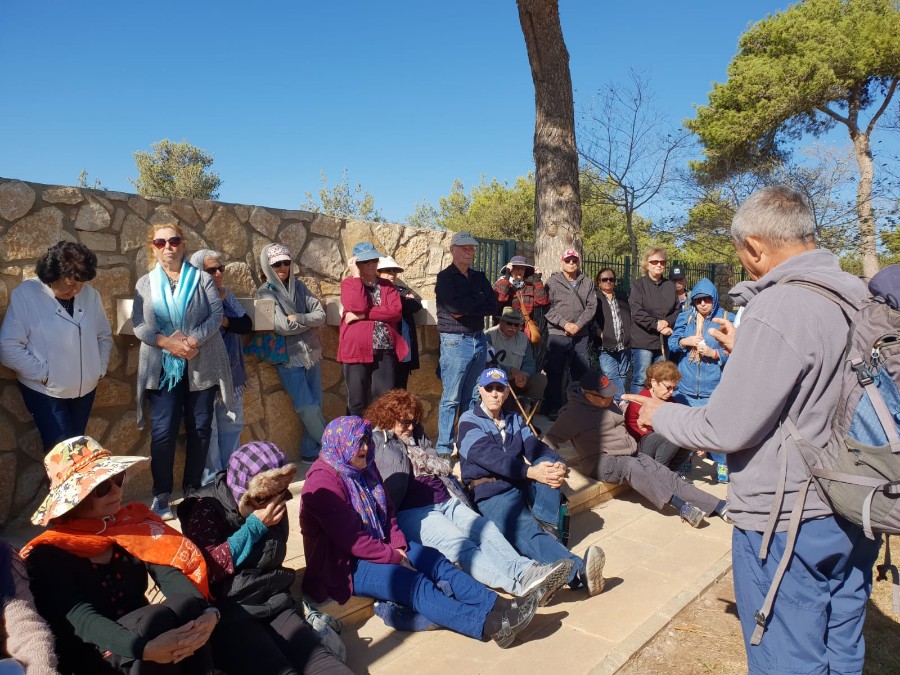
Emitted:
<point x="166" y="411"/>
<point x="465" y="612"/>
<point x="615" y="365"/>
<point x="463" y="358"/>
<point x="225" y="435"/>
<point x="304" y="386"/>
<point x="57" y="419"/>
<point x="817" y="619"/>
<point x="641" y="360"/>
<point x="515" y="514"/>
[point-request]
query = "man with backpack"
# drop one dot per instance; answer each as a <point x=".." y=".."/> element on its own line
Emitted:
<point x="779" y="391"/>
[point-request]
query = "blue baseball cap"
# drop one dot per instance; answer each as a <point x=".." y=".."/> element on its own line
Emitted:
<point x="493" y="376"/>
<point x="365" y="251"/>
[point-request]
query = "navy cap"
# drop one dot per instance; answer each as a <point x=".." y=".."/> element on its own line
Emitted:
<point x="493" y="376"/>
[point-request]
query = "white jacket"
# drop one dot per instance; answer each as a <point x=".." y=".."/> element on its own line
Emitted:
<point x="53" y="353"/>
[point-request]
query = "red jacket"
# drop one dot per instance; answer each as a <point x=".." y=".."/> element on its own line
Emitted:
<point x="333" y="536"/>
<point x="355" y="339"/>
<point x="631" y="418"/>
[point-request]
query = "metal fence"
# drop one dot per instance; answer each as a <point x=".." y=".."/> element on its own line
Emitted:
<point x="492" y="254"/>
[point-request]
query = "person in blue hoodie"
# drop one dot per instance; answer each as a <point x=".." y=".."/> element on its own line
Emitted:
<point x="698" y="354"/>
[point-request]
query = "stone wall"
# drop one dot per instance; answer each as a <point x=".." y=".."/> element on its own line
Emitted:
<point x="114" y="225"/>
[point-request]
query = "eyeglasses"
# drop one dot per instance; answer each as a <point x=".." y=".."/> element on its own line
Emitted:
<point x="517" y="326"/>
<point x="495" y="387"/>
<point x="667" y="387"/>
<point x="407" y="423"/>
<point x="213" y="270"/>
<point x="608" y="280"/>
<point x="174" y="242"/>
<point x="104" y="488"/>
<point x="657" y="262"/>
<point x="281" y="263"/>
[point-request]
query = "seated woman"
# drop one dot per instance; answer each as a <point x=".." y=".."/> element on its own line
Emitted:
<point x="25" y="639"/>
<point x="89" y="573"/>
<point x="594" y="423"/>
<point x="662" y="379"/>
<point x="515" y="480"/>
<point x="238" y="522"/>
<point x="432" y="509"/>
<point x="353" y="546"/>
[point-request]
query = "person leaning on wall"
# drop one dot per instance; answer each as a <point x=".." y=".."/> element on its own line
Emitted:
<point x="57" y="339"/>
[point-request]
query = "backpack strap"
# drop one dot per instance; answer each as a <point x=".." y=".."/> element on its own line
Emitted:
<point x="779" y="489"/>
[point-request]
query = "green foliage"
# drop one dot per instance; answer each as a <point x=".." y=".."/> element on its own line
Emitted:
<point x="176" y="170"/>
<point x="793" y="72"/>
<point x="342" y="201"/>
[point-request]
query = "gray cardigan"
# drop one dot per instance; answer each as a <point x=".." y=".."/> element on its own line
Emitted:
<point x="202" y="320"/>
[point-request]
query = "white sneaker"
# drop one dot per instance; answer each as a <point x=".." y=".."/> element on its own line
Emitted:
<point x="594" y="560"/>
<point x="161" y="506"/>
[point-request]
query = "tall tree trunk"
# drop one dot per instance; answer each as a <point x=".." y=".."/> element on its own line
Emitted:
<point x="868" y="244"/>
<point x="557" y="201"/>
<point x="632" y="242"/>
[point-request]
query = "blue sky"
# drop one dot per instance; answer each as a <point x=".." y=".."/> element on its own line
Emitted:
<point x="406" y="95"/>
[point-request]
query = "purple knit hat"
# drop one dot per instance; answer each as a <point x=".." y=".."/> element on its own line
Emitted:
<point x="248" y="461"/>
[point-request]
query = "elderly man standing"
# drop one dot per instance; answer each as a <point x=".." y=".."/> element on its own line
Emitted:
<point x="516" y="360"/>
<point x="785" y="365"/>
<point x="573" y="304"/>
<point x="464" y="298"/>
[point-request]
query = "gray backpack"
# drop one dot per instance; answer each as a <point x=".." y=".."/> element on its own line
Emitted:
<point x="858" y="473"/>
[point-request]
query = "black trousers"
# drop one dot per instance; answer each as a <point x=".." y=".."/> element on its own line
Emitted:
<point x="663" y="451"/>
<point x="367" y="381"/>
<point x="564" y="354"/>
<point x="282" y="645"/>
<point x="153" y="620"/>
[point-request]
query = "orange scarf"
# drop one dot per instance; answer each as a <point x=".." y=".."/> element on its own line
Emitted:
<point x="136" y="529"/>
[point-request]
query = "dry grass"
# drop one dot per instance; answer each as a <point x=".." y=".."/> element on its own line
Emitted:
<point x="706" y="636"/>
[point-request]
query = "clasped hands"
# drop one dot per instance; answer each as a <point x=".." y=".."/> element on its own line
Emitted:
<point x="179" y="643"/>
<point x="553" y="474"/>
<point x="180" y="345"/>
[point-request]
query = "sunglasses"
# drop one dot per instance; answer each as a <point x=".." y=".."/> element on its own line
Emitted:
<point x="517" y="326"/>
<point x="213" y="270"/>
<point x="407" y="423"/>
<point x="104" y="488"/>
<point x="281" y="263"/>
<point x="657" y="262"/>
<point x="570" y="260"/>
<point x="610" y="280"/>
<point x="495" y="387"/>
<point x="174" y="242"/>
<point x="703" y="300"/>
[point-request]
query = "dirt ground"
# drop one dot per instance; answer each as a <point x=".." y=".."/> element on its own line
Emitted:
<point x="706" y="636"/>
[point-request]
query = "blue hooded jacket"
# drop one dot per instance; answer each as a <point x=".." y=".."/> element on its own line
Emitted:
<point x="698" y="378"/>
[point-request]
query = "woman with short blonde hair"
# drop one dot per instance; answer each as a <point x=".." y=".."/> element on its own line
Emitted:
<point x="654" y="308"/>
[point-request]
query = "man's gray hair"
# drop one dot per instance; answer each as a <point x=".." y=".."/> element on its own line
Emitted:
<point x="775" y="214"/>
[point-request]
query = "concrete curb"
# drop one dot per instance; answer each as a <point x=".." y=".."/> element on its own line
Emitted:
<point x="626" y="650"/>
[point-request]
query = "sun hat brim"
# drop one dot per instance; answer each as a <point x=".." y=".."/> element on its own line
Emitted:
<point x="72" y="491"/>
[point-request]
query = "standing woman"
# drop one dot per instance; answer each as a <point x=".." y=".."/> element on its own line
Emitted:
<point x="613" y="321"/>
<point x="297" y="313"/>
<point x="183" y="364"/>
<point x="226" y="428"/>
<point x="654" y="308"/>
<point x="369" y="347"/>
<point x="389" y="269"/>
<point x="57" y="339"/>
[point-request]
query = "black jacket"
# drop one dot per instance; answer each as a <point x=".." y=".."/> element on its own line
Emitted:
<point x="603" y="320"/>
<point x="410" y="307"/>
<point x="651" y="301"/>
<point x="470" y="295"/>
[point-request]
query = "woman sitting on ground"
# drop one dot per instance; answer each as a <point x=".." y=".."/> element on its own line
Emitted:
<point x="89" y="573"/>
<point x="353" y="546"/>
<point x="515" y="479"/>
<point x="433" y="510"/>
<point x="239" y="524"/>
<point x="662" y="380"/>
<point x="595" y="425"/>
<point x="25" y="639"/>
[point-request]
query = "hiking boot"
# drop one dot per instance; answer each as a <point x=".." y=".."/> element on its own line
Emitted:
<point x="551" y="576"/>
<point x="508" y="618"/>
<point x="722" y="473"/>
<point x="691" y="514"/>
<point x="161" y="508"/>
<point x="592" y="576"/>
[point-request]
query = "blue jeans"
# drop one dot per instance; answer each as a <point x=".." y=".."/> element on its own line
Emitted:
<point x="464" y="612"/>
<point x="641" y="360"/>
<point x="615" y="365"/>
<point x="817" y="619"/>
<point x="167" y="407"/>
<point x="511" y="512"/>
<point x="57" y="419"/>
<point x="225" y="435"/>
<point x="467" y="539"/>
<point x="699" y="402"/>
<point x="564" y="354"/>
<point x="304" y="386"/>
<point x="463" y="358"/>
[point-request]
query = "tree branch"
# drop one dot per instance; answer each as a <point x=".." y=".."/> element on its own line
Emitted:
<point x="883" y="107"/>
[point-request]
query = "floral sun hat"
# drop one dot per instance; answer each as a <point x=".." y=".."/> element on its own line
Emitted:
<point x="75" y="467"/>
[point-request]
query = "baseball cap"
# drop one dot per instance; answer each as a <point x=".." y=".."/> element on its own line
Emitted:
<point x="570" y="253"/>
<point x="595" y="382"/>
<point x="677" y="273"/>
<point x="463" y="239"/>
<point x="493" y="376"/>
<point x="278" y="252"/>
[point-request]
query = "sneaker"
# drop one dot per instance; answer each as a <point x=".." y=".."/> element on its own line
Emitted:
<point x="723" y="514"/>
<point x="514" y="619"/>
<point x="722" y="472"/>
<point x="692" y="514"/>
<point x="592" y="576"/>
<point x="161" y="508"/>
<point x="327" y="629"/>
<point x="547" y="579"/>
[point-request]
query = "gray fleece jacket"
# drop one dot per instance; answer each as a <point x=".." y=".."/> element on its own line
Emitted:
<point x="786" y="359"/>
<point x="578" y="304"/>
